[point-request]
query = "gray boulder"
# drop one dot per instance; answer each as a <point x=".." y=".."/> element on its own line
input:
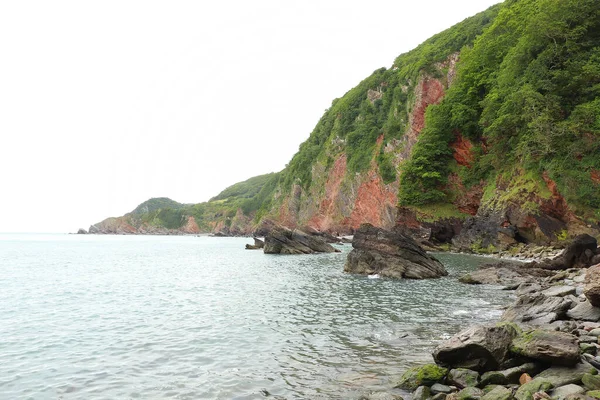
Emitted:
<point x="584" y="311"/>
<point x="548" y="346"/>
<point x="282" y="240"/>
<point x="560" y="376"/>
<point x="562" y="392"/>
<point x="592" y="285"/>
<point x="480" y="348"/>
<point x="390" y="254"/>
<point x="537" y="309"/>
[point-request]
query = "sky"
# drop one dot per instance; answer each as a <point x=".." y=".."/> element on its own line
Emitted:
<point x="104" y="105"/>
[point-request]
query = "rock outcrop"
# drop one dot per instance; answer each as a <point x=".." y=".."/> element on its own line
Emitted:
<point x="282" y="240"/>
<point x="390" y="254"/>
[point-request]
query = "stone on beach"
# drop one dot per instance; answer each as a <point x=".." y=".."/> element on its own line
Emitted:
<point x="549" y="346"/>
<point x="592" y="285"/>
<point x="480" y="348"/>
<point x="424" y="375"/>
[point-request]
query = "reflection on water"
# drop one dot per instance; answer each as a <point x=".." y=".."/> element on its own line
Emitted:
<point x="202" y="318"/>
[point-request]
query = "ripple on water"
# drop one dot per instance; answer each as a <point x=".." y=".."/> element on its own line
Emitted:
<point x="202" y="318"/>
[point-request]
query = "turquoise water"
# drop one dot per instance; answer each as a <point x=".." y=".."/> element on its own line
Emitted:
<point x="152" y="317"/>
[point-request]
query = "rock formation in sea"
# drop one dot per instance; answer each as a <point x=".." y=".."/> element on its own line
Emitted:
<point x="282" y="240"/>
<point x="390" y="254"/>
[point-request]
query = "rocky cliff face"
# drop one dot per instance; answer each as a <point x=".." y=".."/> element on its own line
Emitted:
<point x="483" y="137"/>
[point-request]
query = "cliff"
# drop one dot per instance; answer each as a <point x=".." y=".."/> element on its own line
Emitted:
<point x="486" y="135"/>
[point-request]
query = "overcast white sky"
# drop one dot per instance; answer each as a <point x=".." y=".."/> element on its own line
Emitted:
<point x="104" y="104"/>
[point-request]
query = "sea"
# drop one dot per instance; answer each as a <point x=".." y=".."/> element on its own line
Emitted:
<point x="198" y="317"/>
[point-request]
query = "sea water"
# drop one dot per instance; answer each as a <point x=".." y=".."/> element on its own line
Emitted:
<point x="184" y="317"/>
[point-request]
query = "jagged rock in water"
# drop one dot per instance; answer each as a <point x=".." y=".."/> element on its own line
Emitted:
<point x="592" y="285"/>
<point x="82" y="231"/>
<point x="286" y="241"/>
<point x="480" y="348"/>
<point x="258" y="244"/>
<point x="547" y="346"/>
<point x="390" y="254"/>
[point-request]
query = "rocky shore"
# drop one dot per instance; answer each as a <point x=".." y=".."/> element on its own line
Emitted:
<point x="545" y="346"/>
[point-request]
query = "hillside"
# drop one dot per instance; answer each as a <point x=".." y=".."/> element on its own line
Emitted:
<point x="487" y="134"/>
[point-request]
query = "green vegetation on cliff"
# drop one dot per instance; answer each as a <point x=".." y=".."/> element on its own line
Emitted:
<point x="528" y="94"/>
<point x="378" y="107"/>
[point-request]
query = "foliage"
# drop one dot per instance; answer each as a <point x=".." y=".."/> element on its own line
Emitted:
<point x="528" y="91"/>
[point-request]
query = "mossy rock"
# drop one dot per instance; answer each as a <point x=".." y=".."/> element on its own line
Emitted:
<point x="470" y="393"/>
<point x="592" y="382"/>
<point x="526" y="391"/>
<point x="493" y="378"/>
<point x="425" y="375"/>
<point x="463" y="377"/>
<point x="593" y="393"/>
<point x="497" y="393"/>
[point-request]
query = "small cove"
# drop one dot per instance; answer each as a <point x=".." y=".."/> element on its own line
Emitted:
<point x="202" y="318"/>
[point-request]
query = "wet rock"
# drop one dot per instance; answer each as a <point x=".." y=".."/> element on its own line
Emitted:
<point x="560" y="376"/>
<point x="424" y="375"/>
<point x="584" y="311"/>
<point x="592" y="285"/>
<point x="537" y="309"/>
<point x="549" y="346"/>
<point x="591" y="382"/>
<point x="562" y="392"/>
<point x="480" y="348"/>
<point x="498" y="393"/>
<point x="462" y="377"/>
<point x="281" y="240"/>
<point x="560" y="291"/>
<point x="526" y="391"/>
<point x="390" y="254"/>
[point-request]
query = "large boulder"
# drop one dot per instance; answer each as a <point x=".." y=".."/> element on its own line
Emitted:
<point x="592" y="285"/>
<point x="282" y="240"/>
<point x="560" y="376"/>
<point x="548" y="346"/>
<point x="537" y="309"/>
<point x="584" y="311"/>
<point x="480" y="348"/>
<point x="390" y="254"/>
